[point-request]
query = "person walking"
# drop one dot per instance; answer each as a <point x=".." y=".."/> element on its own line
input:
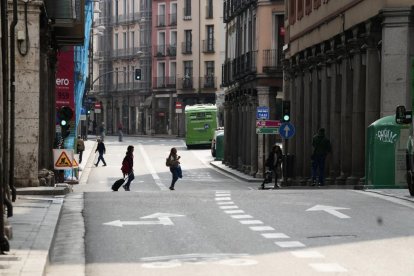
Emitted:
<point x="120" y="134"/>
<point x="321" y="147"/>
<point x="128" y="167"/>
<point x="173" y="161"/>
<point x="101" y="150"/>
<point x="274" y="162"/>
<point x="80" y="148"/>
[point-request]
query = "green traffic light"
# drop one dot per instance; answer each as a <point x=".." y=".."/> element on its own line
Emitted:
<point x="286" y="118"/>
<point x="63" y="123"/>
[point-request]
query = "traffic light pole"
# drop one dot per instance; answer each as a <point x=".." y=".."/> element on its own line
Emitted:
<point x="285" y="162"/>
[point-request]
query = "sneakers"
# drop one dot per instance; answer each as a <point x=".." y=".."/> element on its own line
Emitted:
<point x="96" y="165"/>
<point x="171" y="188"/>
<point x="104" y="165"/>
<point x="126" y="188"/>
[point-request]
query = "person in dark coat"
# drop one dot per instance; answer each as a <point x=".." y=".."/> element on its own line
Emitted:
<point x="101" y="150"/>
<point x="128" y="167"/>
<point x="274" y="162"/>
<point x="321" y="148"/>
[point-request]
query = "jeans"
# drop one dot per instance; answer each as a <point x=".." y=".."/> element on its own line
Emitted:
<point x="80" y="156"/>
<point x="131" y="177"/>
<point x="176" y="173"/>
<point x="120" y="135"/>
<point x="318" y="168"/>
<point x="100" y="157"/>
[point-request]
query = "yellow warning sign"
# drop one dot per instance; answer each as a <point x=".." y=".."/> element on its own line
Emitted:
<point x="74" y="163"/>
<point x="63" y="161"/>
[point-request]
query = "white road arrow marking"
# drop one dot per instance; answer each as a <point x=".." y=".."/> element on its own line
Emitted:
<point x="162" y="219"/>
<point x="330" y="209"/>
<point x="286" y="129"/>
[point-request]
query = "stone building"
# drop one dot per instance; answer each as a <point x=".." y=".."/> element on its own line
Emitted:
<point x="347" y="64"/>
<point x="253" y="76"/>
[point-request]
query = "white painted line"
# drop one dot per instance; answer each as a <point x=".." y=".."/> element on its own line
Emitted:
<point x="241" y="216"/>
<point x="217" y="195"/>
<point x="222" y="192"/>
<point x="229" y="207"/>
<point x="332" y="267"/>
<point x="290" y="244"/>
<point x="225" y="203"/>
<point x="307" y="254"/>
<point x="151" y="169"/>
<point x="275" y="236"/>
<point x="251" y="222"/>
<point x="234" y="212"/>
<point x="262" y="228"/>
<point x="223" y="198"/>
<point x="251" y="188"/>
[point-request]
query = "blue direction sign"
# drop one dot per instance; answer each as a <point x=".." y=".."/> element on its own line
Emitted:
<point x="262" y="113"/>
<point x="286" y="130"/>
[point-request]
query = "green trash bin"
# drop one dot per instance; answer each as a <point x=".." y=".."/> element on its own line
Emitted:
<point x="220" y="147"/>
<point x="385" y="165"/>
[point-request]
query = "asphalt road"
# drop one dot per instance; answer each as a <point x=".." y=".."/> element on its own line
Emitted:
<point x="213" y="224"/>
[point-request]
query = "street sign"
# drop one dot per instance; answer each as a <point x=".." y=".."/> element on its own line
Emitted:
<point x="262" y="112"/>
<point x="286" y="130"/>
<point x="267" y="130"/>
<point x="268" y="123"/>
<point x="178" y="107"/>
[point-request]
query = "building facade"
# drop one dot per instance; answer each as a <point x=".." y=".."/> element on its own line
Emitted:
<point x="347" y="65"/>
<point x="123" y="46"/>
<point x="253" y="76"/>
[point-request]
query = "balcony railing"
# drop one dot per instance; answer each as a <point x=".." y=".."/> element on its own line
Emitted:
<point x="164" y="82"/>
<point x="159" y="50"/>
<point x="208" y="82"/>
<point x="133" y="86"/>
<point x="125" y="53"/>
<point x="186" y="83"/>
<point x="173" y="19"/>
<point x="272" y="61"/>
<point x="186" y="48"/>
<point x="208" y="46"/>
<point x="126" y="18"/>
<point x="172" y="50"/>
<point x="239" y="68"/>
<point x="232" y="8"/>
<point x="161" y="20"/>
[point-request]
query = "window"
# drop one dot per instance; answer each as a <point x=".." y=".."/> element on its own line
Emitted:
<point x="209" y="9"/>
<point x="116" y="42"/>
<point x="292" y="11"/>
<point x="173" y="14"/>
<point x="308" y="6"/>
<point x="300" y="9"/>
<point x="188" y="74"/>
<point x="132" y="39"/>
<point x="116" y="8"/>
<point x="187" y="8"/>
<point x="210" y="38"/>
<point x="133" y="6"/>
<point x="161" y="15"/>
<point x="124" y="39"/>
<point x="188" y="44"/>
<point x="209" y="77"/>
<point x="125" y="7"/>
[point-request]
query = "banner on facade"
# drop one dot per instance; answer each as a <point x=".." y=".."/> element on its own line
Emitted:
<point x="65" y="86"/>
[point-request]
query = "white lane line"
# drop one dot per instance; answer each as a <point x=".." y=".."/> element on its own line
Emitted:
<point x="324" y="267"/>
<point x="289" y="244"/>
<point x="223" y="198"/>
<point x="307" y="254"/>
<point x="262" y="228"/>
<point x="229" y="207"/>
<point x="251" y="222"/>
<point x="222" y="192"/>
<point x="234" y="212"/>
<point x="275" y="236"/>
<point x="225" y="203"/>
<point x="241" y="216"/>
<point x="151" y="169"/>
<point x="218" y="195"/>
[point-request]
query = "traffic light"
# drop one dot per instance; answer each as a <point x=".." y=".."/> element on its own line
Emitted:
<point x="137" y="74"/>
<point x="286" y="111"/>
<point x="65" y="114"/>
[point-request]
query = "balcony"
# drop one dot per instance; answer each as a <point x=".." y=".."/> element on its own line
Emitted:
<point x="239" y="68"/>
<point x="185" y="83"/>
<point x="173" y="19"/>
<point x="186" y="48"/>
<point x="159" y="51"/>
<point x="127" y="53"/>
<point x="208" y="46"/>
<point x="161" y="20"/>
<point x="172" y="50"/>
<point x="208" y="82"/>
<point x="232" y="8"/>
<point x="164" y="82"/>
<point x="272" y="61"/>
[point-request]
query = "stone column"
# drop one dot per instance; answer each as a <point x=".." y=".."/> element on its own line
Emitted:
<point x="335" y="126"/>
<point x="325" y="116"/>
<point x="316" y="101"/>
<point x="346" y="121"/>
<point x="244" y="136"/>
<point x="240" y="133"/>
<point x="358" y="121"/>
<point x="248" y="134"/>
<point x="263" y="100"/>
<point x="397" y="47"/>
<point x="307" y="120"/>
<point x="253" y="138"/>
<point x="227" y="133"/>
<point x="27" y="97"/>
<point x="234" y="131"/>
<point x="299" y="125"/>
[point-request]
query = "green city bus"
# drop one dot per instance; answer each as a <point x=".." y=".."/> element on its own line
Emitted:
<point x="200" y="123"/>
